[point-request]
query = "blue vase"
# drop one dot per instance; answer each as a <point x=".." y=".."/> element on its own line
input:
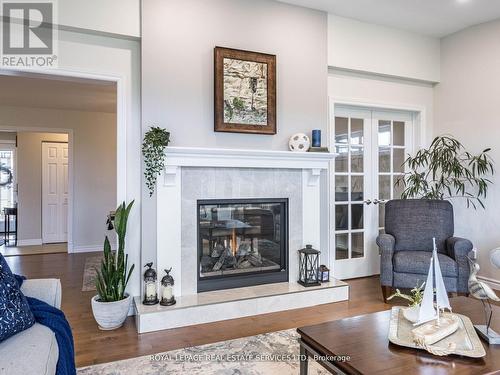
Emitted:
<point x="316" y="138"/>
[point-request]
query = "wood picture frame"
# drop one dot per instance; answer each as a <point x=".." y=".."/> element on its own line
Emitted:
<point x="244" y="91"/>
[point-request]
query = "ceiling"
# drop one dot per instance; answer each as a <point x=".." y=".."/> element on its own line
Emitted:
<point x="436" y="18"/>
<point x="41" y="91"/>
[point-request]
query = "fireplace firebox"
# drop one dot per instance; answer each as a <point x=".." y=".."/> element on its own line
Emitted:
<point x="242" y="242"/>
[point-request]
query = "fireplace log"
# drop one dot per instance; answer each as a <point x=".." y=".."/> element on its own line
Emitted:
<point x="230" y="261"/>
<point x="244" y="264"/>
<point x="255" y="260"/>
<point x="220" y="262"/>
<point x="217" y="250"/>
<point x="206" y="262"/>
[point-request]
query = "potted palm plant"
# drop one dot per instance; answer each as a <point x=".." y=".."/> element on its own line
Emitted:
<point x="111" y="304"/>
<point x="446" y="170"/>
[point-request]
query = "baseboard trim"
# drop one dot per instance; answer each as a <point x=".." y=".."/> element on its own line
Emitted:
<point x="495" y="284"/>
<point x="30" y="242"/>
<point x="89" y="248"/>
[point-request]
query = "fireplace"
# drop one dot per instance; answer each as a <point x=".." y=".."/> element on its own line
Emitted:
<point x="242" y="242"/>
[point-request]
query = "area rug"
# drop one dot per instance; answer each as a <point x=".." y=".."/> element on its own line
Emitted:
<point x="89" y="272"/>
<point x="269" y="353"/>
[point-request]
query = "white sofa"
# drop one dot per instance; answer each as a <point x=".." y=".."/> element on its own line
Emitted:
<point x="33" y="351"/>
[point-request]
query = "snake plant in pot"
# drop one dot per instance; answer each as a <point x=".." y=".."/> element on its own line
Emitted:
<point x="111" y="304"/>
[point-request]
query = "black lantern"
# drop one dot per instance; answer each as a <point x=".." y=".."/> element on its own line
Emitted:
<point x="308" y="266"/>
<point x="323" y="274"/>
<point x="150" y="285"/>
<point x="167" y="289"/>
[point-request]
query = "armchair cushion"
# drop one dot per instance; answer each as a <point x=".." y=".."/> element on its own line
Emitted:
<point x="414" y="222"/>
<point x="417" y="262"/>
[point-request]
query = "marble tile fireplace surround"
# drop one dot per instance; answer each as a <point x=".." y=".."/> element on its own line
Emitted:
<point x="195" y="175"/>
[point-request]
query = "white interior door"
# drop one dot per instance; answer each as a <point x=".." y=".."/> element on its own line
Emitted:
<point x="371" y="147"/>
<point x="54" y="192"/>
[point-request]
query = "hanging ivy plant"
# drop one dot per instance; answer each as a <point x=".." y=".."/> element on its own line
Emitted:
<point x="153" y="149"/>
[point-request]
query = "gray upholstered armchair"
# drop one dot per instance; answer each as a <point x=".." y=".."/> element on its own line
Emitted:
<point x="405" y="247"/>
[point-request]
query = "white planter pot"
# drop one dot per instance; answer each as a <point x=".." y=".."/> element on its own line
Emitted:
<point x="110" y="315"/>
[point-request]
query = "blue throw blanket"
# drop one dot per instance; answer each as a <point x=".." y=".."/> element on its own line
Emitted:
<point x="55" y="320"/>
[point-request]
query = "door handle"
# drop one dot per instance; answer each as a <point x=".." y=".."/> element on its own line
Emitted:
<point x="376" y="201"/>
<point x="368" y="201"/>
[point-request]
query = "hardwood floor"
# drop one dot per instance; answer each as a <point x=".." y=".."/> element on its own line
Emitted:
<point x="9" y="251"/>
<point x="93" y="346"/>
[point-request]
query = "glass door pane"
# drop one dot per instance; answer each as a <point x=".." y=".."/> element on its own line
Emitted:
<point x="392" y="150"/>
<point x="350" y="186"/>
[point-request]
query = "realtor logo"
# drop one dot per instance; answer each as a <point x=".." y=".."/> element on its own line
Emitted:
<point x="28" y="34"/>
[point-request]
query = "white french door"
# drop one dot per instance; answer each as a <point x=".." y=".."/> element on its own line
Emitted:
<point x="8" y="174"/>
<point x="371" y="146"/>
<point x="54" y="192"/>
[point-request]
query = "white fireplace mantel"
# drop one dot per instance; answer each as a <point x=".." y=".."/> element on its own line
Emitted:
<point x="169" y="193"/>
<point x="240" y="158"/>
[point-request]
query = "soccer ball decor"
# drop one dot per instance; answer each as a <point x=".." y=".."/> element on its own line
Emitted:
<point x="299" y="143"/>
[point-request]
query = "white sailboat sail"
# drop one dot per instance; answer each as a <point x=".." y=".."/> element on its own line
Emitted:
<point x="427" y="311"/>
<point x="445" y="325"/>
<point x="442" y="300"/>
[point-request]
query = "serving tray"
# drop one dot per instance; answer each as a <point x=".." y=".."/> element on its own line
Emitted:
<point x="464" y="341"/>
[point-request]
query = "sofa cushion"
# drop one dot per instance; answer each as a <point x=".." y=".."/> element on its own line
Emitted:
<point x="15" y="313"/>
<point x="33" y="351"/>
<point x="46" y="290"/>
<point x="418" y="262"/>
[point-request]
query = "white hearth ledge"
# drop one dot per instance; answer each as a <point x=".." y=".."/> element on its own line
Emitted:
<point x="236" y="303"/>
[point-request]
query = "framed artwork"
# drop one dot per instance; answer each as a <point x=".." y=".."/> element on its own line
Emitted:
<point x="245" y="91"/>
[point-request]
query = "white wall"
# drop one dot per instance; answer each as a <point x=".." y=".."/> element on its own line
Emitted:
<point x="8" y="137"/>
<point x="94" y="166"/>
<point x="178" y="38"/>
<point x="466" y="106"/>
<point x="111" y="16"/>
<point x="119" y="17"/>
<point x="88" y="56"/>
<point x="360" y="46"/>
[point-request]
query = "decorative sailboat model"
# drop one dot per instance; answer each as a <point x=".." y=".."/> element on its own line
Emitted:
<point x="433" y="323"/>
<point x="439" y="332"/>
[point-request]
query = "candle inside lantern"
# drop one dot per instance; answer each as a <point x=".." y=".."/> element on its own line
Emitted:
<point x="167" y="293"/>
<point x="151" y="290"/>
<point x="150" y="286"/>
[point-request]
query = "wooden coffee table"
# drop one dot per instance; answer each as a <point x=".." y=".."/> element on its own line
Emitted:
<point x="364" y="340"/>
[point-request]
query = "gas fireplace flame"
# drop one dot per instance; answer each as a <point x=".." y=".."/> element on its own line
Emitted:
<point x="234" y="242"/>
